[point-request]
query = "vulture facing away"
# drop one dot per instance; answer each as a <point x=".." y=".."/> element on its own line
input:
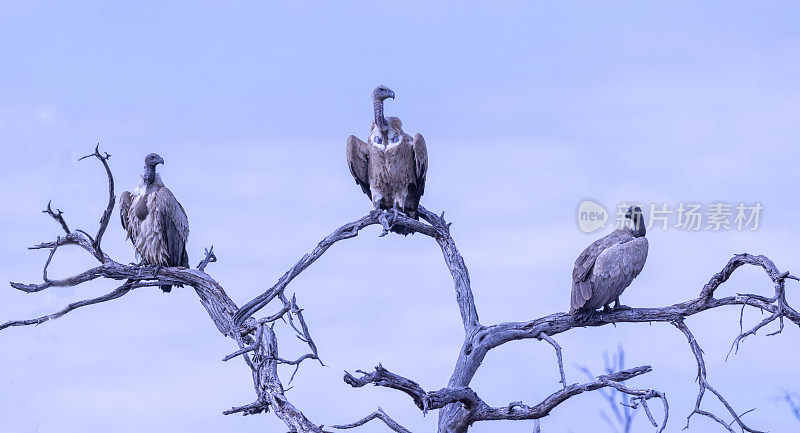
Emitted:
<point x="607" y="267"/>
<point x="155" y="221"/>
<point x="391" y="166"/>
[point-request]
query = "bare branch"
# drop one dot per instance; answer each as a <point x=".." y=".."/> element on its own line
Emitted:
<point x="112" y="199"/>
<point x="752" y="331"/>
<point x="248" y="409"/>
<point x="520" y="411"/>
<point x="210" y="257"/>
<point x="78" y="238"/>
<point x="74" y="280"/>
<point x="702" y="380"/>
<point x="57" y="215"/>
<point x="256" y="344"/>
<point x="559" y="322"/>
<point x="303" y="333"/>
<point x="458" y="269"/>
<point x="385" y="378"/>
<point x="116" y="293"/>
<point x="549" y="339"/>
<point x="346" y="231"/>
<point x="269" y="387"/>
<point x="378" y="414"/>
<point x="477" y="410"/>
<point x="643" y="400"/>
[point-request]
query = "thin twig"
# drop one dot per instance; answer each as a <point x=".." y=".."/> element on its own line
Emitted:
<point x="209" y="257"/>
<point x="57" y="215"/>
<point x="549" y="339"/>
<point x="378" y="414"/>
<point x="116" y="293"/>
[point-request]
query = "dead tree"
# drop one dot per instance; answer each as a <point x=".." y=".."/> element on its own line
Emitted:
<point x="459" y="405"/>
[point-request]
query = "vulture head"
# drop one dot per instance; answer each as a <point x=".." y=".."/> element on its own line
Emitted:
<point x="382" y="92"/>
<point x="150" y="163"/>
<point x="634" y="214"/>
<point x="153" y="160"/>
<point x="378" y="96"/>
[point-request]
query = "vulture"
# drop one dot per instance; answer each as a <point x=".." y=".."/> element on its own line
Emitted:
<point x="391" y="166"/>
<point x="155" y="221"/>
<point x="607" y="267"/>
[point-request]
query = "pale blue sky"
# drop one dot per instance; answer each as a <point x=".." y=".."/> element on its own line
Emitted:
<point x="527" y="108"/>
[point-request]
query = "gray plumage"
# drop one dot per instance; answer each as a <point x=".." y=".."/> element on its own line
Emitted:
<point x="608" y="266"/>
<point x="155" y="221"/>
<point x="391" y="167"/>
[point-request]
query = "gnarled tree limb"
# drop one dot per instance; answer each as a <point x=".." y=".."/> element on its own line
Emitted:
<point x="476" y="409"/>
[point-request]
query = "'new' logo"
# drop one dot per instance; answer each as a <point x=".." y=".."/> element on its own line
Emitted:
<point x="591" y="216"/>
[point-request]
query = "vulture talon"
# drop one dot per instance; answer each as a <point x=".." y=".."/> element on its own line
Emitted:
<point x="583" y="316"/>
<point x="384" y="220"/>
<point x="391" y="218"/>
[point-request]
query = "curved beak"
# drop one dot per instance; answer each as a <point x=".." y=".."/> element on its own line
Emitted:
<point x="391" y="94"/>
<point x="160" y="160"/>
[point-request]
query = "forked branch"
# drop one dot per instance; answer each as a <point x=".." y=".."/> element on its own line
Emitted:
<point x="477" y="410"/>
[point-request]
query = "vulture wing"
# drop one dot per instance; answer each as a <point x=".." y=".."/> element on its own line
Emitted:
<point x="174" y="227"/>
<point x="125" y="200"/>
<point x="421" y="160"/>
<point x="615" y="269"/>
<point x="357" y="160"/>
<point x="582" y="284"/>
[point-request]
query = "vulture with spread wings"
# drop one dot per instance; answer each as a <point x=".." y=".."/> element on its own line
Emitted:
<point x="155" y="221"/>
<point x="391" y="166"/>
